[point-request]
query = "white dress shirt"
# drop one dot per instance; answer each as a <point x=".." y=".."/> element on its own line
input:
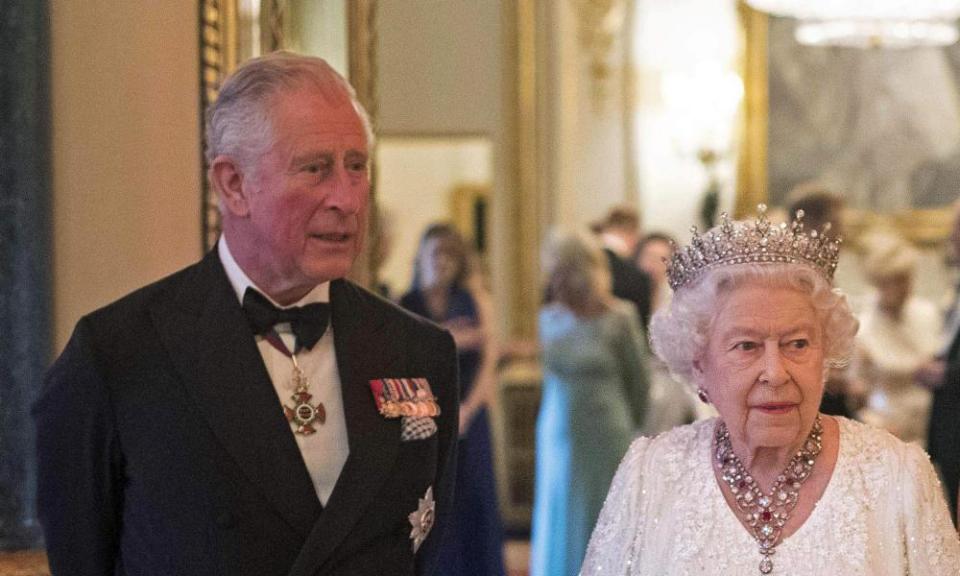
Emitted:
<point x="325" y="451"/>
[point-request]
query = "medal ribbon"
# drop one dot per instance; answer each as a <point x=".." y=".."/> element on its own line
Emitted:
<point x="276" y="341"/>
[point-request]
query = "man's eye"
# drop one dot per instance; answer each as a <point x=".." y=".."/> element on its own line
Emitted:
<point x="314" y="168"/>
<point x="357" y="166"/>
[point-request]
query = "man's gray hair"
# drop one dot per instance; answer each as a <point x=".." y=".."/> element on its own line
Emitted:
<point x="238" y="123"/>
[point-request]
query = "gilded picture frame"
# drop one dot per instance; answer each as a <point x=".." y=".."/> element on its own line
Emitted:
<point x="763" y="39"/>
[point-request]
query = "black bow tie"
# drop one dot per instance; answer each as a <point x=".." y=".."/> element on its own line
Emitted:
<point x="308" y="323"/>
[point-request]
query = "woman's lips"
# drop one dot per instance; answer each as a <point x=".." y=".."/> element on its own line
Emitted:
<point x="776" y="407"/>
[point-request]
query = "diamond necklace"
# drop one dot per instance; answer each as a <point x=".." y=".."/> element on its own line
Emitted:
<point x="766" y="514"/>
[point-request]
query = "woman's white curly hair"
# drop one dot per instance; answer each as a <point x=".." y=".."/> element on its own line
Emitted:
<point x="679" y="333"/>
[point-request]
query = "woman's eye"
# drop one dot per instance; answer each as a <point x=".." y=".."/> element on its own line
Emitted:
<point x="799" y="344"/>
<point x="745" y="346"/>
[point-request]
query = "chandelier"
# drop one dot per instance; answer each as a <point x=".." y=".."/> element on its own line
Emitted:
<point x="869" y="23"/>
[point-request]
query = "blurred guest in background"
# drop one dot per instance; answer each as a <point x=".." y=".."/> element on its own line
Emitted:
<point x="671" y="403"/>
<point x="898" y="334"/>
<point x="619" y="231"/>
<point x="447" y="290"/>
<point x="651" y="257"/>
<point x="594" y="401"/>
<point x="821" y="207"/>
<point x="943" y="376"/>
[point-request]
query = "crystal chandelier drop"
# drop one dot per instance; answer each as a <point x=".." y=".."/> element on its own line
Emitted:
<point x="869" y="23"/>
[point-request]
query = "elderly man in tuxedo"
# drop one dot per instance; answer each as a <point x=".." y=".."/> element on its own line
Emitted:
<point x="255" y="413"/>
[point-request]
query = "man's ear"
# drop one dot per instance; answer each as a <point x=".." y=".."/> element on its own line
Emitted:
<point x="227" y="178"/>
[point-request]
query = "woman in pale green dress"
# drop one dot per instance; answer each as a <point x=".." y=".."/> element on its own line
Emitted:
<point x="594" y="400"/>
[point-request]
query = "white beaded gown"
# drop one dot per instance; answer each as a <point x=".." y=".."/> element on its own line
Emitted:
<point x="882" y="514"/>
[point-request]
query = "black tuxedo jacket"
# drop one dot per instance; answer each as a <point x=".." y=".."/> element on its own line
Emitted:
<point x="631" y="284"/>
<point x="163" y="448"/>
<point x="943" y="442"/>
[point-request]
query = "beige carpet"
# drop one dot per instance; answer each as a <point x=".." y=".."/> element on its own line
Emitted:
<point x="516" y="556"/>
<point x="23" y="564"/>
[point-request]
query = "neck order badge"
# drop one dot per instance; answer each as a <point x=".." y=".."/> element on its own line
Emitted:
<point x="308" y="324"/>
<point x="303" y="414"/>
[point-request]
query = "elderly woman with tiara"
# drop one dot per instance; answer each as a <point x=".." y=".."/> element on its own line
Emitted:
<point x="770" y="486"/>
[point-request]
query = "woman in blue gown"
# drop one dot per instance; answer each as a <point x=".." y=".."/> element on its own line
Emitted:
<point x="443" y="291"/>
<point x="594" y="402"/>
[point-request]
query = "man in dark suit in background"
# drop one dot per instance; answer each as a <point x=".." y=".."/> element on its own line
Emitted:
<point x="821" y="206"/>
<point x="943" y="376"/>
<point x="619" y="232"/>
<point x="215" y="422"/>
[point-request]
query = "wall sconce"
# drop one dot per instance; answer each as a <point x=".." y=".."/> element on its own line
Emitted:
<point x="600" y="21"/>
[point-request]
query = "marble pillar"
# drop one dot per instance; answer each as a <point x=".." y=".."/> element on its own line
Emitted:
<point x="25" y="259"/>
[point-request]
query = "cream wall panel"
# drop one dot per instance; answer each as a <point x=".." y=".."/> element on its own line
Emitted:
<point x="446" y="68"/>
<point x="586" y="126"/>
<point x="439" y="66"/>
<point x="685" y="102"/>
<point x="126" y="156"/>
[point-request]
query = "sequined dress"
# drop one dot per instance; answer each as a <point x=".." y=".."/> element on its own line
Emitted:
<point x="882" y="514"/>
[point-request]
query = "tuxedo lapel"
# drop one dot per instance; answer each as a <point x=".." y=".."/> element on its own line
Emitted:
<point x="215" y="352"/>
<point x="364" y="351"/>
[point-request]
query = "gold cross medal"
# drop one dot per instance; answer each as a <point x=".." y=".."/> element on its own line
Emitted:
<point x="303" y="414"/>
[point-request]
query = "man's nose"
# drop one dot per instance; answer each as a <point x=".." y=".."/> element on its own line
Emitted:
<point x="348" y="191"/>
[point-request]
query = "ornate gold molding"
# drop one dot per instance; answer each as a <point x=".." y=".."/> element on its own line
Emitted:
<point x="218" y="57"/>
<point x="362" y="42"/>
<point x="600" y="23"/>
<point x="465" y="203"/>
<point x="629" y="103"/>
<point x="526" y="229"/>
<point x="362" y="37"/>
<point x="752" y="158"/>
<point x="924" y="227"/>
<point x="273" y="26"/>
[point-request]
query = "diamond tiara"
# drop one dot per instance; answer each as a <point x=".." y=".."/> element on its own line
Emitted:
<point x="734" y="242"/>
